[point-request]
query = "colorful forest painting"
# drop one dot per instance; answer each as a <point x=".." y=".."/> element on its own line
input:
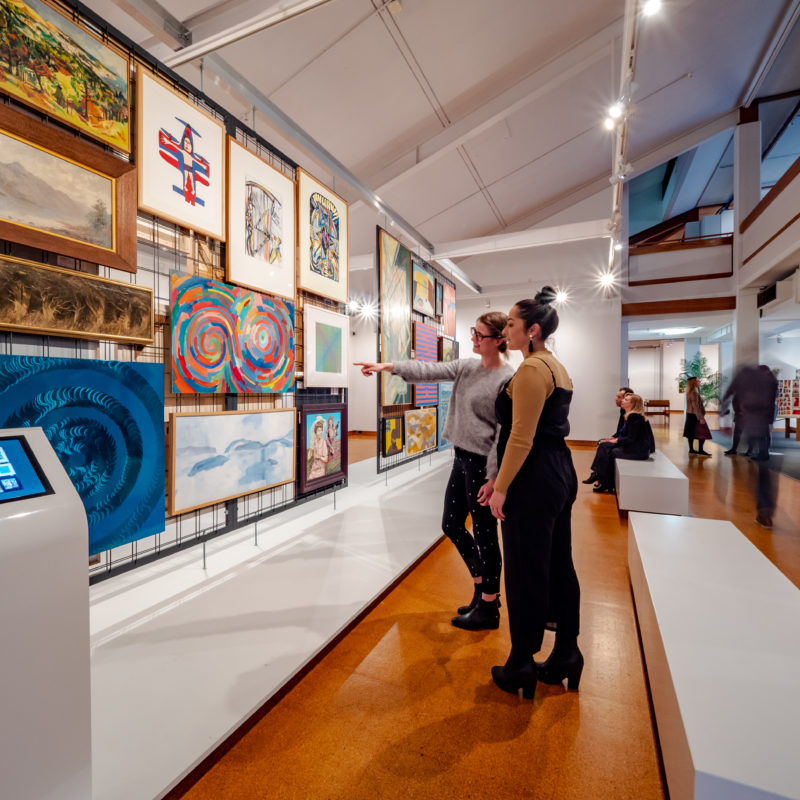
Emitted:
<point x="50" y="63"/>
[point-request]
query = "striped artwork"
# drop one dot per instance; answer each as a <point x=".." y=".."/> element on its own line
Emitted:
<point x="227" y="339"/>
<point x="426" y="345"/>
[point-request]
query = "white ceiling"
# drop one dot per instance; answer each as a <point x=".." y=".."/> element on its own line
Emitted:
<point x="471" y="118"/>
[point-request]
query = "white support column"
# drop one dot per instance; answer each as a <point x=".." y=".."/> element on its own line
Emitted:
<point x="624" y="378"/>
<point x="746" y="194"/>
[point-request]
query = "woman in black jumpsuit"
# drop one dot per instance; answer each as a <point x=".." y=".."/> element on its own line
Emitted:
<point x="533" y="497"/>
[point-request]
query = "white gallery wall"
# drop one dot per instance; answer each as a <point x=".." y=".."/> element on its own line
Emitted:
<point x="783" y="355"/>
<point x="362" y="395"/>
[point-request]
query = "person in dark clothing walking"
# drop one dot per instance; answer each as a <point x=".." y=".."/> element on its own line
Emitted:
<point x="533" y="495"/>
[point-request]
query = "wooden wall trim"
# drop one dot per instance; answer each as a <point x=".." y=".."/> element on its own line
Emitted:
<point x="771" y="239"/>
<point x="710" y="277"/>
<point x="771" y="196"/>
<point x="688" y="306"/>
<point x="667" y="247"/>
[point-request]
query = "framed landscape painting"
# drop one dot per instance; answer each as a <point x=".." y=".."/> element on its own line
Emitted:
<point x="424" y="295"/>
<point x="57" y="67"/>
<point x="216" y="456"/>
<point x="105" y="421"/>
<point x="38" y="298"/>
<point x="323" y="445"/>
<point x="261" y="224"/>
<point x="60" y="194"/>
<point x="392" y="435"/>
<point x="227" y="339"/>
<point x="325" y="338"/>
<point x="395" y="315"/>
<point x="322" y="233"/>
<point x="420" y="430"/>
<point x="180" y="153"/>
<point x="448" y="349"/>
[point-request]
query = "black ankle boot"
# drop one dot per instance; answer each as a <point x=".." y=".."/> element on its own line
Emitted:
<point x="594" y="477"/>
<point x="484" y="617"/>
<point x="566" y="661"/>
<point x="514" y="676"/>
<point x="472" y="603"/>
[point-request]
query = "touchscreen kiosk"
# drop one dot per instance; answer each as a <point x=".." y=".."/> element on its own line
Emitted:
<point x="45" y="735"/>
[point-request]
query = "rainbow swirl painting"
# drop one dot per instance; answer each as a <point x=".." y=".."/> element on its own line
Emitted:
<point x="227" y="339"/>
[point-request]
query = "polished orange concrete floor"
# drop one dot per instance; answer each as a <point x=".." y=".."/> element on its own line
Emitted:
<point x="404" y="705"/>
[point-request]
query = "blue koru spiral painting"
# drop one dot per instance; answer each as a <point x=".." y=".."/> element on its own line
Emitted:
<point x="105" y="420"/>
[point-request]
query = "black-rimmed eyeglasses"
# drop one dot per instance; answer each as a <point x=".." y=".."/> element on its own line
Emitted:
<point x="481" y="336"/>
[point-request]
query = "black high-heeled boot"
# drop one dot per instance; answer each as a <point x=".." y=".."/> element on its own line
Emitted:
<point x="484" y="617"/>
<point x="516" y="675"/>
<point x="593" y="478"/>
<point x="566" y="661"/>
<point x="472" y="603"/>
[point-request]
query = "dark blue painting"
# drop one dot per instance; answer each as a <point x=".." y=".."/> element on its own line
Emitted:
<point x="105" y="420"/>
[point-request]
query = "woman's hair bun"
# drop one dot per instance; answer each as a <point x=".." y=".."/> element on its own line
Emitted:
<point x="546" y="296"/>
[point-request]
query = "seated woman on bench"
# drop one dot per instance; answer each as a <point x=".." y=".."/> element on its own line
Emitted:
<point x="634" y="441"/>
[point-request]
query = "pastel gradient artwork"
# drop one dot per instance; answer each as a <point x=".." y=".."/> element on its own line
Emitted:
<point x="105" y="420"/>
<point x="227" y="339"/>
<point x="325" y="336"/>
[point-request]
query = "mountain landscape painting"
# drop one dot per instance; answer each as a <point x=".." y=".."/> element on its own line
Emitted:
<point x="52" y="64"/>
<point x="41" y="190"/>
<point x="218" y="456"/>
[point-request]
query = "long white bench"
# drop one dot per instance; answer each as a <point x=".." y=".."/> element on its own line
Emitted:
<point x="655" y="485"/>
<point x="720" y="629"/>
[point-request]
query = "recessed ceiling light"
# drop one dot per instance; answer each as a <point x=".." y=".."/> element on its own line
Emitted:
<point x="651" y="7"/>
<point x="673" y="331"/>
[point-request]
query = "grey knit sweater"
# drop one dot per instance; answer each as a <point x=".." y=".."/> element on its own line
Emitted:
<point x="471" y="423"/>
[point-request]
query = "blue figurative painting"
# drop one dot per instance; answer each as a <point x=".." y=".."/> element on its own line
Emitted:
<point x="218" y="456"/>
<point x="105" y="421"/>
<point x="445" y="393"/>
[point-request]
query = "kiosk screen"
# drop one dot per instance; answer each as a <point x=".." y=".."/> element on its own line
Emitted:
<point x="20" y="473"/>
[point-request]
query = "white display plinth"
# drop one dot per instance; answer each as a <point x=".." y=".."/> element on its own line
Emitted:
<point x="45" y="736"/>
<point x="656" y="486"/>
<point x="720" y="629"/>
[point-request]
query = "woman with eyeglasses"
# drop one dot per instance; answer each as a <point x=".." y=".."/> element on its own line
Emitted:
<point x="532" y="495"/>
<point x="472" y="428"/>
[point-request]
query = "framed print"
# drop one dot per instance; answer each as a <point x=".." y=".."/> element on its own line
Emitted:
<point x="425" y="341"/>
<point x="445" y="393"/>
<point x="216" y="456"/>
<point x="227" y="339"/>
<point x="325" y="338"/>
<point x="64" y="195"/>
<point x="395" y="315"/>
<point x="180" y="152"/>
<point x="323" y="445"/>
<point x="392" y="435"/>
<point x="449" y="310"/>
<point x="322" y="220"/>
<point x="424" y="290"/>
<point x="420" y="430"/>
<point x="38" y="298"/>
<point x="439" y="306"/>
<point x="448" y="349"/>
<point x="105" y="420"/>
<point x="261" y="235"/>
<point x="65" y="72"/>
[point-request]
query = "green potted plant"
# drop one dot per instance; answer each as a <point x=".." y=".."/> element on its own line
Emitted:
<point x="710" y="382"/>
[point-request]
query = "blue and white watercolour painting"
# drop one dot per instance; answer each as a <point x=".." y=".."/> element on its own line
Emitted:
<point x="105" y="421"/>
<point x="219" y="456"/>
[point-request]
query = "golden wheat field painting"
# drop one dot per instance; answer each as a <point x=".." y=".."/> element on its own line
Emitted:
<point x="37" y="298"/>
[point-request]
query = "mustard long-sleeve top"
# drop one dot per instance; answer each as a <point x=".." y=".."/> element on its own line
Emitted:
<point x="530" y="387"/>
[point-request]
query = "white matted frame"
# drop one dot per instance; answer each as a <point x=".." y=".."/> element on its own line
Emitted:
<point x="325" y="338"/>
<point x="322" y="239"/>
<point x="261" y="224"/>
<point x="180" y="155"/>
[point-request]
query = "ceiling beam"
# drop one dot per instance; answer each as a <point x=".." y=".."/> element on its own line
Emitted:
<point x="158" y="21"/>
<point x="536" y="237"/>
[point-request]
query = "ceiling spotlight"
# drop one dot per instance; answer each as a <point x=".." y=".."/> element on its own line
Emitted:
<point x="353" y="306"/>
<point x="561" y="297"/>
<point x="615" y="111"/>
<point x="651" y="7"/>
<point x="609" y="124"/>
<point x="607" y="279"/>
<point x="618" y="246"/>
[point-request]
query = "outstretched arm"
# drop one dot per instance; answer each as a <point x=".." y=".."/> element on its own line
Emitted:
<point x="368" y="368"/>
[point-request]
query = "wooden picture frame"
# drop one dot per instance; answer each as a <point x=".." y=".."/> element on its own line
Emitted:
<point x="42" y="299"/>
<point x="322" y="239"/>
<point x="423" y="295"/>
<point x="193" y="456"/>
<point x="261" y="237"/>
<point x="74" y="160"/>
<point x="101" y="109"/>
<point x="315" y="456"/>
<point x="177" y="142"/>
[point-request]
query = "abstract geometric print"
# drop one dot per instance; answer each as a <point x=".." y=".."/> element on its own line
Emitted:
<point x="226" y="339"/>
<point x="425" y="347"/>
<point x="324" y="224"/>
<point x="105" y="420"/>
<point x="420" y="430"/>
<point x="395" y="288"/>
<point x="325" y="336"/>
